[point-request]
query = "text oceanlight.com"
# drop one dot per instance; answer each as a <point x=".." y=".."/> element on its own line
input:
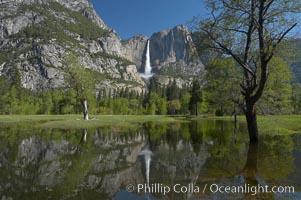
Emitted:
<point x="158" y="188"/>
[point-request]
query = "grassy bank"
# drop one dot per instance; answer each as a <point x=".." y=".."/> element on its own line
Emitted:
<point x="76" y="121"/>
<point x="272" y="125"/>
<point x="279" y="125"/>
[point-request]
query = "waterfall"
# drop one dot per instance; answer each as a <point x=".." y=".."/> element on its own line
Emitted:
<point x="147" y="158"/>
<point x="147" y="68"/>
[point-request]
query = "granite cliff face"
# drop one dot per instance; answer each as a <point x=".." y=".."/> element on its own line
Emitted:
<point x="134" y="50"/>
<point x="173" y="55"/>
<point x="169" y="46"/>
<point x="37" y="35"/>
<point x="82" y="6"/>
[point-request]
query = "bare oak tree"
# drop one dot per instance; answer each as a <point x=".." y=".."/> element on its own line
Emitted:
<point x="249" y="31"/>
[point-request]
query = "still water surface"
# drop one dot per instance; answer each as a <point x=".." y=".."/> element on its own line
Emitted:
<point x="102" y="163"/>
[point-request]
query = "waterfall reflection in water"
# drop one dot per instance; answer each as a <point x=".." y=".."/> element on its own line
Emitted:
<point x="146" y="153"/>
<point x="42" y="164"/>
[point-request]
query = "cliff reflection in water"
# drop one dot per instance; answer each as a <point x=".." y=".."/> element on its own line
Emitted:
<point x="100" y="163"/>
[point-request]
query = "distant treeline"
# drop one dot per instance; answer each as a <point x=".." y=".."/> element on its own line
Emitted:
<point x="219" y="94"/>
<point x="14" y="99"/>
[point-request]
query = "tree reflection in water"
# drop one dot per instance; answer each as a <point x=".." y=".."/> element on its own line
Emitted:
<point x="44" y="162"/>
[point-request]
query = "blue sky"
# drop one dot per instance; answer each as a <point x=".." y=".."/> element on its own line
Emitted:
<point x="131" y="17"/>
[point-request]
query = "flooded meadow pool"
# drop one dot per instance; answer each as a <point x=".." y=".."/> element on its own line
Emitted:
<point x="195" y="160"/>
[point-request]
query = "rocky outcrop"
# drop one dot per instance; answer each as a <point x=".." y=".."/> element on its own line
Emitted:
<point x="172" y="52"/>
<point x="173" y="56"/>
<point x="134" y="50"/>
<point x="37" y="35"/>
<point x="111" y="44"/>
<point x="83" y="6"/>
<point x="172" y="45"/>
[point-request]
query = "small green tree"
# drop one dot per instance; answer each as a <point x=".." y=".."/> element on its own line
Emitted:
<point x="296" y="98"/>
<point x="151" y="108"/>
<point x="173" y="107"/>
<point x="46" y="103"/>
<point x="185" y="99"/>
<point x="4" y="91"/>
<point x="277" y="98"/>
<point x="162" y="106"/>
<point x="173" y="91"/>
<point x="196" y="97"/>
<point x="13" y="100"/>
<point x="16" y="79"/>
<point x="223" y="90"/>
<point x="152" y="103"/>
<point x="80" y="80"/>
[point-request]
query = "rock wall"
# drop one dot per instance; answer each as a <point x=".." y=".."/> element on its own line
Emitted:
<point x="83" y="6"/>
<point x="135" y="49"/>
<point x="173" y="56"/>
<point x="169" y="46"/>
<point x="39" y="56"/>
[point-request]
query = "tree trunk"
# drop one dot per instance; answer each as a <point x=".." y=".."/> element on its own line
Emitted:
<point x="235" y="118"/>
<point x="235" y="114"/>
<point x="252" y="122"/>
<point x="250" y="169"/>
<point x="85" y="109"/>
<point x="196" y="109"/>
<point x="82" y="140"/>
<point x="85" y="135"/>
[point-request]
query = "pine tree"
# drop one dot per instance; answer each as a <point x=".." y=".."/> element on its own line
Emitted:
<point x="173" y="91"/>
<point x="196" y="97"/>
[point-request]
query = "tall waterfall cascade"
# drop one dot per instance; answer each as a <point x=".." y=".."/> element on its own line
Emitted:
<point x="147" y="68"/>
<point x="147" y="158"/>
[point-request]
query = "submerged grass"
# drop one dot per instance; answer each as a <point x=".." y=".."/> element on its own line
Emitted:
<point x="77" y="122"/>
<point x="279" y="125"/>
<point x="272" y="124"/>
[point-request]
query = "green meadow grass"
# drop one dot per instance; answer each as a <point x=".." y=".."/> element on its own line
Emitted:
<point x="77" y="122"/>
<point x="279" y="125"/>
<point x="273" y="125"/>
